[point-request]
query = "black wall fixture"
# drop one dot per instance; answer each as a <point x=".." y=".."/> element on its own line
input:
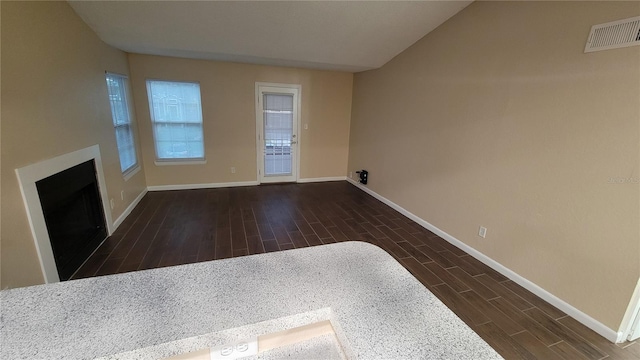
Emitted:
<point x="364" y="175"/>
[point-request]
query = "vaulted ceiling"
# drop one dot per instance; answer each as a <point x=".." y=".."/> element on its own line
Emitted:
<point x="335" y="35"/>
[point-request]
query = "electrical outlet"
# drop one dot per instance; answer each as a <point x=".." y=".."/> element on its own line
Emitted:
<point x="233" y="170"/>
<point x="112" y="203"/>
<point x="122" y="195"/>
<point x="235" y="351"/>
<point x="306" y="126"/>
<point x="351" y="174"/>
<point x="482" y="232"/>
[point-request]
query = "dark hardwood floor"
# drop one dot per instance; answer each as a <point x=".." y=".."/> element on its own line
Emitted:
<point x="180" y="227"/>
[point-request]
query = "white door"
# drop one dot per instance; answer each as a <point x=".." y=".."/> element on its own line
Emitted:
<point x="277" y="118"/>
<point x="635" y="328"/>
<point x="634" y="307"/>
<point x="631" y="319"/>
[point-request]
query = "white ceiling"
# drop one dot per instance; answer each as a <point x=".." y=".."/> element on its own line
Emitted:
<point x="333" y="35"/>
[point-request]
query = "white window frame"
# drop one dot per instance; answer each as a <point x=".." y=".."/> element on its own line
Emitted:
<point x="175" y="161"/>
<point x="135" y="167"/>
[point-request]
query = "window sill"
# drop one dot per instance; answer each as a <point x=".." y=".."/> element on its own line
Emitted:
<point x="180" y="162"/>
<point x="129" y="173"/>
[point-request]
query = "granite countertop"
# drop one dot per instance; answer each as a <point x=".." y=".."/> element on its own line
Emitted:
<point x="378" y="309"/>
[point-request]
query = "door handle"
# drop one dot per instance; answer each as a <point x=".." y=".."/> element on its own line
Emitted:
<point x="294" y="142"/>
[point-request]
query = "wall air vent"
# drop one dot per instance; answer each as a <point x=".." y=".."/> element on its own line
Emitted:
<point x="614" y="35"/>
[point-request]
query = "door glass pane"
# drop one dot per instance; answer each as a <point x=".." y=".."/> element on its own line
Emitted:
<point x="278" y="128"/>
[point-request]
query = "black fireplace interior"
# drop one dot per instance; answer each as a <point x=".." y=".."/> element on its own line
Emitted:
<point x="73" y="214"/>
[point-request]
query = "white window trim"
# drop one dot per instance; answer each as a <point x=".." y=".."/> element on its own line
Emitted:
<point x="135" y="168"/>
<point x="180" y="162"/>
<point x="130" y="172"/>
<point x="170" y="162"/>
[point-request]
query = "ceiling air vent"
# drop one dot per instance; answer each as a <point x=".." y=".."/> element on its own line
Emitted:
<point x="614" y="35"/>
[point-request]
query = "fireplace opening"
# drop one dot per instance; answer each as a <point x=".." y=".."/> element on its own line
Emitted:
<point x="73" y="215"/>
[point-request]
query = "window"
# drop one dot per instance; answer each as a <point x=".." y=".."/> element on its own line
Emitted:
<point x="117" y="88"/>
<point x="176" y="115"/>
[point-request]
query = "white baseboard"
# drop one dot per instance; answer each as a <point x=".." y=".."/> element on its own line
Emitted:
<point x="128" y="210"/>
<point x="322" y="179"/>
<point x="583" y="318"/>
<point x="201" y="186"/>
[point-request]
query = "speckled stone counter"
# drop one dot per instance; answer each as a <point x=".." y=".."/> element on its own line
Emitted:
<point x="379" y="310"/>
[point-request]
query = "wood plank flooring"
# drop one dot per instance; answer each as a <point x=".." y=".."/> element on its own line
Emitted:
<point x="180" y="227"/>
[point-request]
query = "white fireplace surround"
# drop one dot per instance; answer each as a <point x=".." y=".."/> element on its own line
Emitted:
<point x="27" y="178"/>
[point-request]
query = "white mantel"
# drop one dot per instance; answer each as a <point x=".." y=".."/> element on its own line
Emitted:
<point x="27" y="178"/>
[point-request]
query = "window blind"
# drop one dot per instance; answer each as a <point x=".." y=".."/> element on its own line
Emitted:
<point x="278" y="128"/>
<point x="117" y="89"/>
<point x="176" y="114"/>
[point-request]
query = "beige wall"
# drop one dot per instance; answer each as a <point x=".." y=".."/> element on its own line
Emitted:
<point x="54" y="101"/>
<point x="229" y="119"/>
<point x="498" y="118"/>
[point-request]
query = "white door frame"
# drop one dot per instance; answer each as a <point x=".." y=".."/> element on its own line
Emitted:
<point x="630" y="325"/>
<point x="296" y="91"/>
